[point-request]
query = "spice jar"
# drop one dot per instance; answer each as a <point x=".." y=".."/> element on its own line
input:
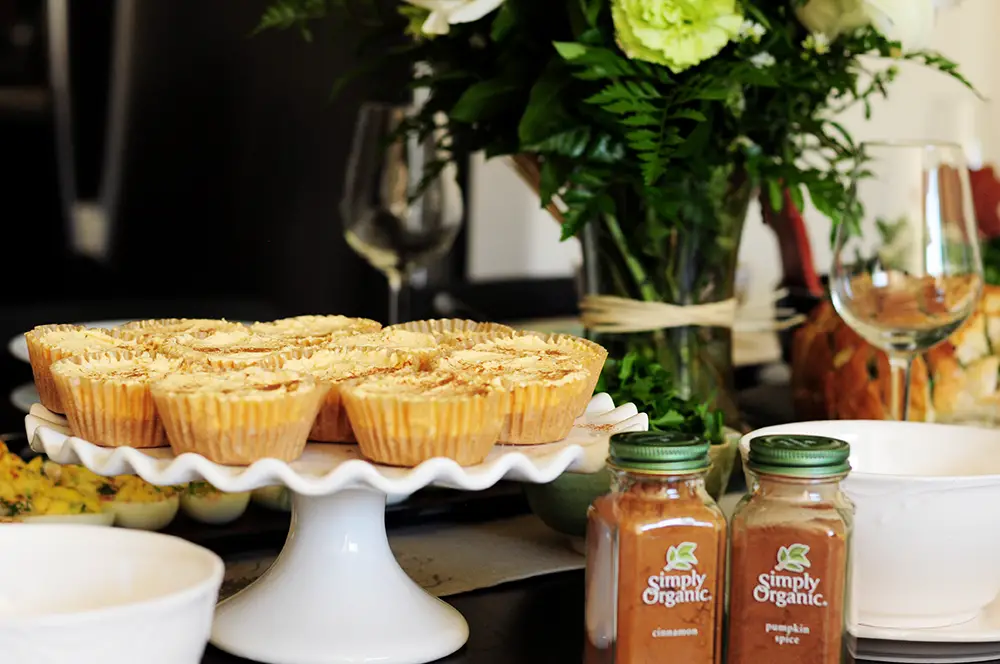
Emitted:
<point x="790" y="546"/>
<point x="656" y="547"/>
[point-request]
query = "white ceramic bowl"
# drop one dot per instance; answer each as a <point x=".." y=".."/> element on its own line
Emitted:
<point x="104" y="595"/>
<point x="927" y="526"/>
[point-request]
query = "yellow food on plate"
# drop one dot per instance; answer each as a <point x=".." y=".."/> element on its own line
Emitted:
<point x="204" y="503"/>
<point x="140" y="505"/>
<point x="29" y="493"/>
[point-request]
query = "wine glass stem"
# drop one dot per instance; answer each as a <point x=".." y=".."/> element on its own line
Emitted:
<point x="398" y="297"/>
<point x="900" y="366"/>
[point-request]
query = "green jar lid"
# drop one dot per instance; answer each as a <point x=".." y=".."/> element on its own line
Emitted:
<point x="658" y="452"/>
<point x="799" y="456"/>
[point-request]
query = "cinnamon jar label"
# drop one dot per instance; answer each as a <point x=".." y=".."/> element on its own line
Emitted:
<point x="787" y="598"/>
<point x="669" y="590"/>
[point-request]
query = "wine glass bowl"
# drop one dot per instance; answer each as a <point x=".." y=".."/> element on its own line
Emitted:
<point x="907" y="271"/>
<point x="402" y="204"/>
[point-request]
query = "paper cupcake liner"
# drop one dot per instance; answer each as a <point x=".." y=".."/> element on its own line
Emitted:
<point x="110" y="413"/>
<point x="405" y="432"/>
<point x="541" y="412"/>
<point x="238" y="431"/>
<point x="332" y="424"/>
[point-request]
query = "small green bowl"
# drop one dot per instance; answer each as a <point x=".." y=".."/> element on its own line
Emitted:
<point x="562" y="504"/>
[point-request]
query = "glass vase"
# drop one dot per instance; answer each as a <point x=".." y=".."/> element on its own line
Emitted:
<point x="685" y="257"/>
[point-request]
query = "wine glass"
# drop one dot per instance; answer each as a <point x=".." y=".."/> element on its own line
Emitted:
<point x="907" y="270"/>
<point x="402" y="205"/>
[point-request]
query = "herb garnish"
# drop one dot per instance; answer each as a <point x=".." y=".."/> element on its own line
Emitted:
<point x="639" y="380"/>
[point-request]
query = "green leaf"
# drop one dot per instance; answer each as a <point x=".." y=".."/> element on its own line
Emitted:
<point x="503" y="23"/>
<point x="671" y="556"/>
<point x="544" y="115"/>
<point x="570" y="50"/>
<point x="482" y="100"/>
<point x="793" y="566"/>
<point x="572" y="143"/>
<point x="591" y="10"/>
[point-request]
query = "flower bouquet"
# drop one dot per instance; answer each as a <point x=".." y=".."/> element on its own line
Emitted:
<point x="647" y="128"/>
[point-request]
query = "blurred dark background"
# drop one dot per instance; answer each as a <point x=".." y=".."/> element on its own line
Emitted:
<point x="156" y="159"/>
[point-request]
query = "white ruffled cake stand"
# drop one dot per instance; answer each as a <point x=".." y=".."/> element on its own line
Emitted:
<point x="336" y="594"/>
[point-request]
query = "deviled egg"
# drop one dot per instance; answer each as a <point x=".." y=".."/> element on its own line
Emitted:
<point x="203" y="502"/>
<point x="140" y="505"/>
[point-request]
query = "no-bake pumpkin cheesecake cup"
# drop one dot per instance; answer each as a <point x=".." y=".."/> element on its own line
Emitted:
<point x="154" y="332"/>
<point x="315" y="330"/>
<point x="591" y="354"/>
<point x="456" y="332"/>
<point x="424" y="348"/>
<point x="225" y="349"/>
<point x="107" y="396"/>
<point x="543" y="393"/>
<point x="408" y="417"/>
<point x="333" y="367"/>
<point x="48" y="344"/>
<point x="238" y="417"/>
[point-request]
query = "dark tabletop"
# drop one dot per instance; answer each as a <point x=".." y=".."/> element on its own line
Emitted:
<point x="538" y="621"/>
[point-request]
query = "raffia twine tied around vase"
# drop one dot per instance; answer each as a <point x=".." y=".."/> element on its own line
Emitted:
<point x="614" y="314"/>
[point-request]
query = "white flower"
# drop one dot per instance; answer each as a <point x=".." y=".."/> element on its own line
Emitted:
<point x="910" y="22"/>
<point x="762" y="60"/>
<point x="752" y="30"/>
<point x="819" y="43"/>
<point x="446" y="13"/>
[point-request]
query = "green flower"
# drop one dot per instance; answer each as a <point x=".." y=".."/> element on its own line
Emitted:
<point x="675" y="33"/>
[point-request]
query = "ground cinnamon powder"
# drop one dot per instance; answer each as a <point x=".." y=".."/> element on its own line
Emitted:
<point x="655" y="574"/>
<point x="787" y="592"/>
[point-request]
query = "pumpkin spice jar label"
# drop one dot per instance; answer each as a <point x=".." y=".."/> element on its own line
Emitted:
<point x="786" y="598"/>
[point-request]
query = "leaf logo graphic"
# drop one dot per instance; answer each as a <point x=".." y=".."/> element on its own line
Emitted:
<point x="793" y="558"/>
<point x="681" y="557"/>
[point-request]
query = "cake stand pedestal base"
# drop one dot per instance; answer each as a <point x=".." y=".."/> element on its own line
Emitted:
<point x="336" y="595"/>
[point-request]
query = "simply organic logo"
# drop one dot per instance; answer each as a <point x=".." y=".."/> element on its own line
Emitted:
<point x="798" y="588"/>
<point x="793" y="558"/>
<point x="673" y="589"/>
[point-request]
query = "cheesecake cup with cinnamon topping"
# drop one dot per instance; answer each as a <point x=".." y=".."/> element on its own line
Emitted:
<point x="157" y="331"/>
<point x="591" y="354"/>
<point x="107" y="398"/>
<point x="333" y="367"/>
<point x="225" y="349"/>
<point x="48" y="344"/>
<point x="543" y="392"/>
<point x="457" y="332"/>
<point x="315" y="330"/>
<point x="238" y="417"/>
<point x="406" y="418"/>
<point x="424" y="347"/>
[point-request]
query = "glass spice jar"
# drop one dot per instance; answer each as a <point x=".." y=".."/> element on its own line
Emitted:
<point x="789" y="596"/>
<point x="656" y="547"/>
